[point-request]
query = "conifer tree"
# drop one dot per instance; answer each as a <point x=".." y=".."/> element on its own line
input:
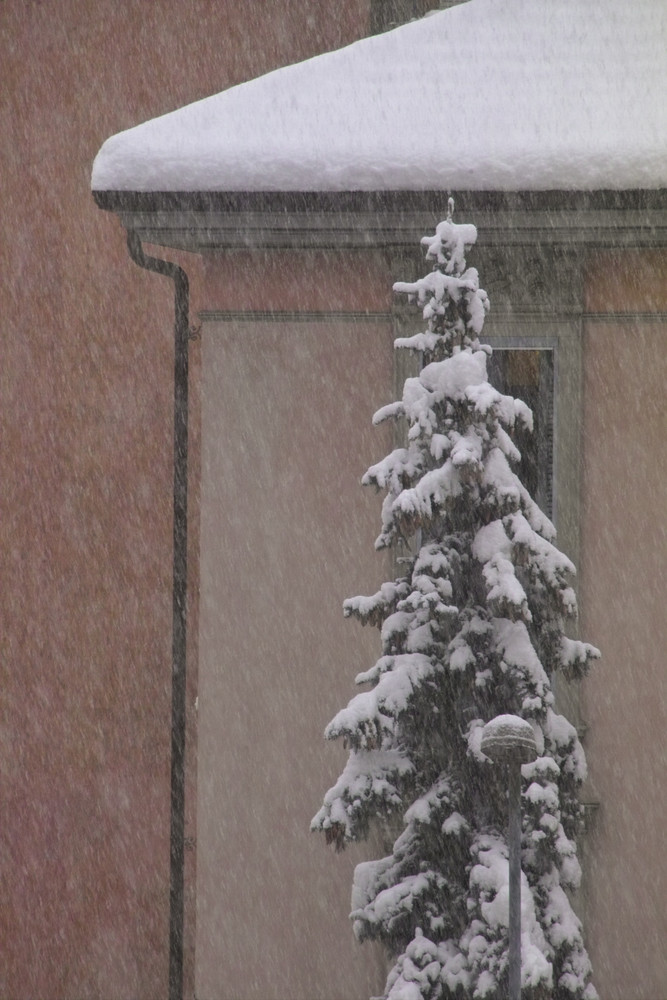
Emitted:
<point x="472" y="627"/>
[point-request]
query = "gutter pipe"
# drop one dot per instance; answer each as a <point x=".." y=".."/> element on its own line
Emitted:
<point x="179" y="608"/>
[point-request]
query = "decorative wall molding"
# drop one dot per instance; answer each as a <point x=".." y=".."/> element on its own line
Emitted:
<point x="625" y="317"/>
<point x="291" y="316"/>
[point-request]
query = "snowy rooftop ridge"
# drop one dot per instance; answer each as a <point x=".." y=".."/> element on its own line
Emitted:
<point x="489" y="95"/>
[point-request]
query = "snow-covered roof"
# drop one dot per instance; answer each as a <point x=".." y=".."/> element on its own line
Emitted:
<point x="489" y="95"/>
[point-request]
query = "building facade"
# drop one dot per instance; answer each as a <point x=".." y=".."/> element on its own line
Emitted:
<point x="291" y="329"/>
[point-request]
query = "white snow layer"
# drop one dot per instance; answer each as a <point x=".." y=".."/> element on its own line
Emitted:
<point x="491" y="94"/>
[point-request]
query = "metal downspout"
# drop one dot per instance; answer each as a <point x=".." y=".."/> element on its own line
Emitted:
<point x="179" y="619"/>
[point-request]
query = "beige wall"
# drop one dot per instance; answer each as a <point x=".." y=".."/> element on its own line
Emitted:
<point x="286" y="534"/>
<point x="624" y="582"/>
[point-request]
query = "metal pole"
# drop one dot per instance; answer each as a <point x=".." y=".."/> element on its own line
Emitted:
<point x="514" y="837"/>
<point x="509" y="739"/>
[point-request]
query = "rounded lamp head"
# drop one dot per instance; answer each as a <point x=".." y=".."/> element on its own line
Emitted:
<point x="508" y="739"/>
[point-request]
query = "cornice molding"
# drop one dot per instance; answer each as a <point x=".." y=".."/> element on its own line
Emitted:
<point x="358" y="220"/>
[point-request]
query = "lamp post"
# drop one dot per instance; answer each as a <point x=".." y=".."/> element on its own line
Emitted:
<point x="508" y="739"/>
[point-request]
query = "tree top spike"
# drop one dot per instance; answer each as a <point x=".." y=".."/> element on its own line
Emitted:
<point x="450" y="209"/>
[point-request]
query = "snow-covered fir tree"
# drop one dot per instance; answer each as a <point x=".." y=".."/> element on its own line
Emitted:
<point x="472" y="627"/>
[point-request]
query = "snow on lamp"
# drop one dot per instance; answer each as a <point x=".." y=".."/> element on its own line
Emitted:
<point x="507" y="739"/>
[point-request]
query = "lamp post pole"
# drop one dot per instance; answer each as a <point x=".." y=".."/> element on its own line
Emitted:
<point x="508" y="739"/>
<point x="514" y="837"/>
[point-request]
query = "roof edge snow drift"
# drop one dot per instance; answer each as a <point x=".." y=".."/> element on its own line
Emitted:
<point x="501" y="95"/>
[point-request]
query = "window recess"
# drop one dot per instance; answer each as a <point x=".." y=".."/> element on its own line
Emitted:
<point x="528" y="374"/>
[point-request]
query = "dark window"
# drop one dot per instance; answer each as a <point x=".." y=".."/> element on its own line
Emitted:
<point x="529" y="375"/>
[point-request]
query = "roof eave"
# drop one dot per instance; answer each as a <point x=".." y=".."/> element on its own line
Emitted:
<point x="206" y="221"/>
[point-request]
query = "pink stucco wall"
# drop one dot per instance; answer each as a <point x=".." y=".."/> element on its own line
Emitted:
<point x="85" y="519"/>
